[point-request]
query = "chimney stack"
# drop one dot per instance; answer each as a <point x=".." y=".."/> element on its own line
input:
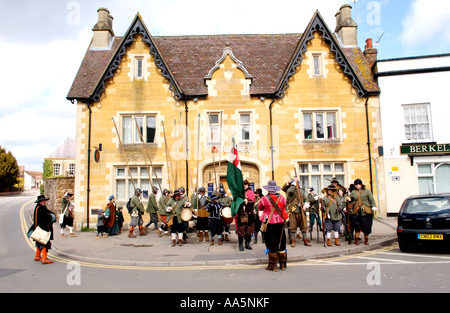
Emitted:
<point x="103" y="30"/>
<point x="346" y="27"/>
<point x="370" y="52"/>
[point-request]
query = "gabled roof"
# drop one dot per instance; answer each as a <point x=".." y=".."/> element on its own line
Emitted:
<point x="351" y="60"/>
<point x="186" y="60"/>
<point x="98" y="66"/>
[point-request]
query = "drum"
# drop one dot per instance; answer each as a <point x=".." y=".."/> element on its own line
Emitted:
<point x="186" y="214"/>
<point x="226" y="215"/>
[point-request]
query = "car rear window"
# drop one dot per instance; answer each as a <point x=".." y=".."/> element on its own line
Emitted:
<point x="428" y="205"/>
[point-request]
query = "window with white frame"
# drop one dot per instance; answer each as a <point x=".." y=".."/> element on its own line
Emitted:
<point x="417" y="122"/>
<point x="139" y="70"/>
<point x="245" y="126"/>
<point x="56" y="169"/>
<point x="320" y="174"/>
<point x="317" y="64"/>
<point x="433" y="178"/>
<point x="135" y="126"/>
<point x="72" y="169"/>
<point x="124" y="187"/>
<point x="320" y="125"/>
<point x="213" y="133"/>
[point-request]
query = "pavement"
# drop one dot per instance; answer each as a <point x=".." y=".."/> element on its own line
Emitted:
<point x="154" y="251"/>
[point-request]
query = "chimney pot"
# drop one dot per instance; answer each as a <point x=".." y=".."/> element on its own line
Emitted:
<point x="346" y="27"/>
<point x="103" y="31"/>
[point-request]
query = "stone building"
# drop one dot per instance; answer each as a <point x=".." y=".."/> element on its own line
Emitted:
<point x="304" y="103"/>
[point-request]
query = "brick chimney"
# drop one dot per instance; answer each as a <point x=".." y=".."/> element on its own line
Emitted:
<point x="370" y="52"/>
<point x="103" y="30"/>
<point x="346" y="27"/>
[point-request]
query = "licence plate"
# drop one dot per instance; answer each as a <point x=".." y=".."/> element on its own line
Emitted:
<point x="430" y="236"/>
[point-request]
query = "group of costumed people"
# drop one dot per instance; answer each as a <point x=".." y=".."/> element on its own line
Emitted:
<point x="268" y="214"/>
<point x="212" y="214"/>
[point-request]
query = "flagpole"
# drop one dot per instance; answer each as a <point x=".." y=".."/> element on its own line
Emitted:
<point x="220" y="142"/>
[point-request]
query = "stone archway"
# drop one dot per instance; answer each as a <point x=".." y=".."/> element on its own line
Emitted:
<point x="250" y="172"/>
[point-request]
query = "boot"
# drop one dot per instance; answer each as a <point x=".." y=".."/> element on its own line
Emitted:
<point x="241" y="243"/>
<point x="305" y="240"/>
<point x="255" y="241"/>
<point x="130" y="233"/>
<point x="273" y="260"/>
<point x="206" y="236"/>
<point x="366" y="240"/>
<point x="336" y="242"/>
<point x="356" y="237"/>
<point x="226" y="237"/>
<point x="247" y="242"/>
<point x="180" y="242"/>
<point x="329" y="242"/>
<point x="45" y="260"/>
<point x="200" y="236"/>
<point x="37" y="257"/>
<point x="292" y="240"/>
<point x="174" y="242"/>
<point x="141" y="231"/>
<point x="282" y="256"/>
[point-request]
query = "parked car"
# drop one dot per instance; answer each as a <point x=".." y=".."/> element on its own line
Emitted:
<point x="424" y="220"/>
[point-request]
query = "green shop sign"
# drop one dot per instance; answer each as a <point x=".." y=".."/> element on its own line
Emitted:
<point x="425" y="148"/>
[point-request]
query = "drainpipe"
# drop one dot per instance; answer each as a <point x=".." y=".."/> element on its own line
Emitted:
<point x="89" y="165"/>
<point x="271" y="138"/>
<point x="368" y="142"/>
<point x="187" y="149"/>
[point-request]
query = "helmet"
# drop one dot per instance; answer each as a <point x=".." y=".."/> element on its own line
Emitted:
<point x="201" y="189"/>
<point x="222" y="191"/>
<point x="358" y="181"/>
<point x="165" y="191"/>
<point x="181" y="189"/>
<point x="137" y="191"/>
<point x="155" y="189"/>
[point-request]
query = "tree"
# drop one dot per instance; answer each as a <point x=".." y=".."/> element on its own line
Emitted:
<point x="9" y="170"/>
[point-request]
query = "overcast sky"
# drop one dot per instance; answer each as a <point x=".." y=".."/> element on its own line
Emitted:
<point x="42" y="44"/>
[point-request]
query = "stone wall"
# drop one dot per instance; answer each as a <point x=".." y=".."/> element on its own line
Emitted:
<point x="55" y="188"/>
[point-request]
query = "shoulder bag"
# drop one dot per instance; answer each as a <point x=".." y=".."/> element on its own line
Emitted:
<point x="263" y="228"/>
<point x="39" y="234"/>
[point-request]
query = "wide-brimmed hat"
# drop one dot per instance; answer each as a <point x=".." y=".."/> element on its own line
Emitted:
<point x="272" y="186"/>
<point x="176" y="193"/>
<point x="330" y="187"/>
<point x="41" y="198"/>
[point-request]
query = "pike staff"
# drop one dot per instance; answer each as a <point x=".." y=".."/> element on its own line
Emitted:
<point x="168" y="161"/>
<point x="124" y="154"/>
<point x="212" y="150"/>
<point x="148" y="156"/>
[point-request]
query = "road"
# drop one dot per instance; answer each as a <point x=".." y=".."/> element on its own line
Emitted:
<point x="385" y="270"/>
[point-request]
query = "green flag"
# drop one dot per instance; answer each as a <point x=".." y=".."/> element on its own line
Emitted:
<point x="235" y="180"/>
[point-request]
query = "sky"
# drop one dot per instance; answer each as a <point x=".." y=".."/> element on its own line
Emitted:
<point x="42" y="44"/>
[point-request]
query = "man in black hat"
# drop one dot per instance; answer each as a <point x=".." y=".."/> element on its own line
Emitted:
<point x="44" y="219"/>
<point x="362" y="208"/>
<point x="333" y="207"/>
<point x="175" y="205"/>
